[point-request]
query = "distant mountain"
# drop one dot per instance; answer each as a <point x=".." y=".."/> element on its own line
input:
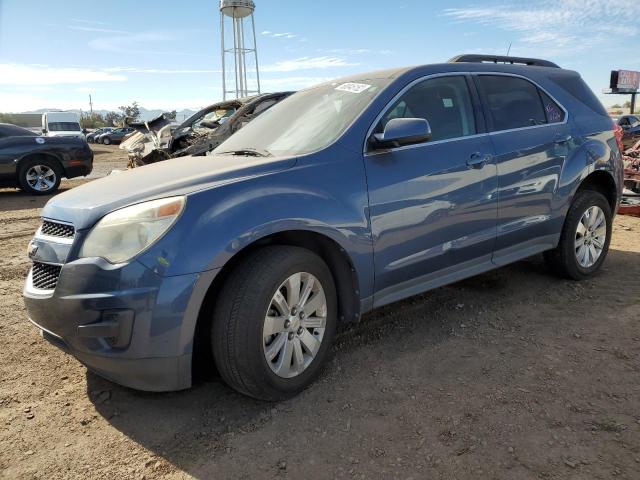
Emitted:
<point x="144" y="113"/>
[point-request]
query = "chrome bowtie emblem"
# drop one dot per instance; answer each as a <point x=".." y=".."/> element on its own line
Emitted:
<point x="32" y="249"/>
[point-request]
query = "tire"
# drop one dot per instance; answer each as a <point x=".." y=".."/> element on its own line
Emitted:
<point x="106" y="141"/>
<point x="39" y="176"/>
<point x="568" y="259"/>
<point x="248" y="298"/>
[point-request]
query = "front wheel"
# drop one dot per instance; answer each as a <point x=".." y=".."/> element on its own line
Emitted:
<point x="585" y="238"/>
<point x="106" y="141"/>
<point x="274" y="322"/>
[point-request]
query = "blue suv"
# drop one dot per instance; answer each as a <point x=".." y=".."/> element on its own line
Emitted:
<point x="344" y="197"/>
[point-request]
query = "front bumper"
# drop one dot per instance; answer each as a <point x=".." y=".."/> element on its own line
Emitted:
<point x="126" y="323"/>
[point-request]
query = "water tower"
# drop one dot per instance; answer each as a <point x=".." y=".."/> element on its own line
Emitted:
<point x="244" y="53"/>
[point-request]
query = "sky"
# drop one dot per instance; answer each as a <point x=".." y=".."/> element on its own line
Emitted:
<point x="166" y="54"/>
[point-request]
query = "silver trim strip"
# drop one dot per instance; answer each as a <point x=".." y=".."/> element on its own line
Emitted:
<point x="438" y="142"/>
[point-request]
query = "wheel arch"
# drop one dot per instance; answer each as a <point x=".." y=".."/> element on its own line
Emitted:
<point x="603" y="182"/>
<point x="332" y="253"/>
<point x="42" y="155"/>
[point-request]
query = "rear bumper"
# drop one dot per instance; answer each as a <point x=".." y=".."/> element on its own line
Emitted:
<point x="81" y="166"/>
<point x="125" y="323"/>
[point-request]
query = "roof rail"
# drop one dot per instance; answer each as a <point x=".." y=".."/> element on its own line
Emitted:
<point x="502" y="59"/>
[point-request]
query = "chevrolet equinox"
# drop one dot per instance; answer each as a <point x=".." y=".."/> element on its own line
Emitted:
<point x="344" y="197"/>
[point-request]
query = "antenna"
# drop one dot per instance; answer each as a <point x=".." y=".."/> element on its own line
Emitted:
<point x="244" y="45"/>
<point x="509" y="49"/>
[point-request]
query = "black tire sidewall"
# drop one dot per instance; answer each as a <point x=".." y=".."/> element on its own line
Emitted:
<point x="251" y="362"/>
<point x="24" y="184"/>
<point x="584" y="199"/>
<point x="295" y="384"/>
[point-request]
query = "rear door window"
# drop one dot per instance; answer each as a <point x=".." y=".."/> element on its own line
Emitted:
<point x="444" y="102"/>
<point x="513" y="102"/>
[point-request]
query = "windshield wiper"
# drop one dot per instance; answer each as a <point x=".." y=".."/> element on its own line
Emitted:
<point x="248" y="152"/>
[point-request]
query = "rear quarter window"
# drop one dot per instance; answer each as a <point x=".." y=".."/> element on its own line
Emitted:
<point x="575" y="86"/>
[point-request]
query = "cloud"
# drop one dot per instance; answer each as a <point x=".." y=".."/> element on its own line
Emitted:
<point x="269" y="33"/>
<point x="91" y="22"/>
<point x="19" y="74"/>
<point x="128" y="42"/>
<point x="558" y="28"/>
<point x="161" y="71"/>
<point x="98" y="30"/>
<point x="355" y="51"/>
<point x="307" y="63"/>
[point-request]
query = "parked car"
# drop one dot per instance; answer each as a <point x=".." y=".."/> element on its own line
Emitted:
<point x="36" y="164"/>
<point x="341" y="198"/>
<point x="631" y="126"/>
<point x="115" y="136"/>
<point x="199" y="134"/>
<point x="91" y="137"/>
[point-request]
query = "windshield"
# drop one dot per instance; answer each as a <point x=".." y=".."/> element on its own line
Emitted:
<point x="64" y="127"/>
<point x="307" y="121"/>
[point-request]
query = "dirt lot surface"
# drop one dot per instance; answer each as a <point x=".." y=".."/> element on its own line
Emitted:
<point x="106" y="159"/>
<point x="514" y="374"/>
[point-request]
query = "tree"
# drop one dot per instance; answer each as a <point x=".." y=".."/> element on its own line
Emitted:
<point x="113" y="119"/>
<point x="93" y="120"/>
<point x="130" y="112"/>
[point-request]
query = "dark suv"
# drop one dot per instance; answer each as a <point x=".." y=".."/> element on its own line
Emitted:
<point x="341" y="198"/>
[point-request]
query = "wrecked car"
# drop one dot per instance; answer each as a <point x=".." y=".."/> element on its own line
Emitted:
<point x="630" y="204"/>
<point x="161" y="138"/>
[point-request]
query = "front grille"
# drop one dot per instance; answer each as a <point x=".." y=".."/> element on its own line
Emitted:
<point x="45" y="276"/>
<point x="56" y="229"/>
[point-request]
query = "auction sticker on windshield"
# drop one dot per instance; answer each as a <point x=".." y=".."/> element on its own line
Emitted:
<point x="353" y="87"/>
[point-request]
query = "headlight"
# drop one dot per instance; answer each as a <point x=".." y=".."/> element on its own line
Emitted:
<point x="125" y="233"/>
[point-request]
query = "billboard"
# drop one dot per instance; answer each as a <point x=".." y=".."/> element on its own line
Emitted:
<point x="625" y="81"/>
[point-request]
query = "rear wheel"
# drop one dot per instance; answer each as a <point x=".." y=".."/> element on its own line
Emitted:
<point x="39" y="176"/>
<point x="585" y="238"/>
<point x="106" y="140"/>
<point x="274" y="322"/>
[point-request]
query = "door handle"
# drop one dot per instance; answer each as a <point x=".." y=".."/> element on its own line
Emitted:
<point x="562" y="138"/>
<point x="478" y="160"/>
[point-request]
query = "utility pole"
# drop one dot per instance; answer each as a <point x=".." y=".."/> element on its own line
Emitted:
<point x="90" y="105"/>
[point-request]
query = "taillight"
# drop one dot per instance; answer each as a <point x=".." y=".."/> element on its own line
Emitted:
<point x="619" y="133"/>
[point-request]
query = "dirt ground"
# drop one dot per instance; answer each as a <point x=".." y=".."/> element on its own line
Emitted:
<point x="514" y="374"/>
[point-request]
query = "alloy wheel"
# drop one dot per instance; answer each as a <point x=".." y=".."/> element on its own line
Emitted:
<point x="41" y="178"/>
<point x="591" y="236"/>
<point x="294" y="325"/>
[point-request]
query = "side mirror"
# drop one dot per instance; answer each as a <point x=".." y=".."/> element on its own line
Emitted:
<point x="85" y="131"/>
<point x="44" y="130"/>
<point x="402" y="131"/>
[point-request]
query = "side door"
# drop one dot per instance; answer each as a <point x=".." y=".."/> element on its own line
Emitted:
<point x="531" y="139"/>
<point x="432" y="205"/>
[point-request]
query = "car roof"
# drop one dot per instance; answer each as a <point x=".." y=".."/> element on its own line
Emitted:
<point x="15" y="131"/>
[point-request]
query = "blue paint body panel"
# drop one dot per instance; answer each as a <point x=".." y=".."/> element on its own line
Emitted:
<point x="407" y="219"/>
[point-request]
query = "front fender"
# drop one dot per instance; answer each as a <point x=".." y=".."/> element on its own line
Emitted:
<point x="326" y="196"/>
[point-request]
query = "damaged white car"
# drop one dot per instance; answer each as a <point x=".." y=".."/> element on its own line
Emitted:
<point x="162" y="138"/>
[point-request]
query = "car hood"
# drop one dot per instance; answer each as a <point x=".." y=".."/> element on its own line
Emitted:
<point x="85" y="205"/>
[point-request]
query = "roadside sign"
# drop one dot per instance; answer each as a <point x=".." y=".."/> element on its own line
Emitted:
<point x="625" y="81"/>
